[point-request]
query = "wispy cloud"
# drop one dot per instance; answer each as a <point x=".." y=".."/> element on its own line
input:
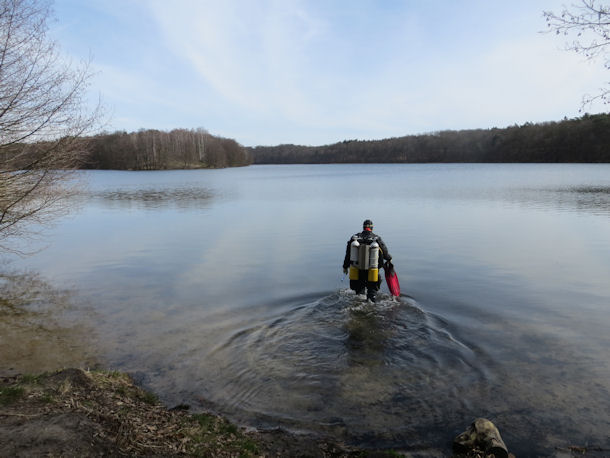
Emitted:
<point x="313" y="72"/>
<point x="251" y="53"/>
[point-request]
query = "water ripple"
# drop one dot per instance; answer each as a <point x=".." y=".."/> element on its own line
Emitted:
<point x="340" y="363"/>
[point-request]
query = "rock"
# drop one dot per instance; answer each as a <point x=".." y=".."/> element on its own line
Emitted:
<point x="481" y="437"/>
<point x="75" y="377"/>
<point x="180" y="406"/>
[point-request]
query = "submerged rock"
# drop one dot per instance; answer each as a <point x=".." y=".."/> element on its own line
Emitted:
<point x="482" y="438"/>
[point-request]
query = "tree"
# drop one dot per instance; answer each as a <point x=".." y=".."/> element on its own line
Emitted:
<point x="584" y="139"/>
<point x="158" y="150"/>
<point x="589" y="21"/>
<point x="42" y="119"/>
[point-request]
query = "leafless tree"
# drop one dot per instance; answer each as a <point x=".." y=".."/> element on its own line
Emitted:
<point x="42" y="120"/>
<point x="160" y="150"/>
<point x="589" y="23"/>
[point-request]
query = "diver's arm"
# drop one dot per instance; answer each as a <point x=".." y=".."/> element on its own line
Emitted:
<point x="384" y="249"/>
<point x="346" y="259"/>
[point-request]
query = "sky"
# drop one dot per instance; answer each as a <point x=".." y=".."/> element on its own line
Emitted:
<point x="314" y="72"/>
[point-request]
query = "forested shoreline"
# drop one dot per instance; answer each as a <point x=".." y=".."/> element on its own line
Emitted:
<point x="158" y="150"/>
<point x="584" y="139"/>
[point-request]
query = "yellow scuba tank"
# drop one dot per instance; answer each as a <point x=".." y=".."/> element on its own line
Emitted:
<point x="354" y="258"/>
<point x="364" y="257"/>
<point x="373" y="262"/>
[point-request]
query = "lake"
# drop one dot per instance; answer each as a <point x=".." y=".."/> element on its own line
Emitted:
<point x="223" y="289"/>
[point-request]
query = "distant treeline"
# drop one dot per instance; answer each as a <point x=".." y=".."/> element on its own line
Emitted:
<point x="157" y="150"/>
<point x="585" y="139"/>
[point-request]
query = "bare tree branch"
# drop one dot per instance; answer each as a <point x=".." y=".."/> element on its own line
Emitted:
<point x="589" y="22"/>
<point x="42" y="121"/>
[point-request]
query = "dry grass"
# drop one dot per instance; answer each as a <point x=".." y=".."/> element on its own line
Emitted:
<point x="127" y="418"/>
<point x="104" y="413"/>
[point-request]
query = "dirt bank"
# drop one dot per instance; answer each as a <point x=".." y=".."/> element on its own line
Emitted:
<point x="90" y="413"/>
<point x="96" y="413"/>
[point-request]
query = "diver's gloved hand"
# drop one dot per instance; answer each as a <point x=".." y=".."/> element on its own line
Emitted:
<point x="345" y="270"/>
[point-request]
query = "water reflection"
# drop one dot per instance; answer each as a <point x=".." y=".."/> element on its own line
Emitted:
<point x="593" y="199"/>
<point x="242" y="305"/>
<point x="581" y="199"/>
<point x="153" y="198"/>
<point x="35" y="334"/>
<point x="565" y="187"/>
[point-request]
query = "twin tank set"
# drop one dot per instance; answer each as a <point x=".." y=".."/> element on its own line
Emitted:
<point x="363" y="257"/>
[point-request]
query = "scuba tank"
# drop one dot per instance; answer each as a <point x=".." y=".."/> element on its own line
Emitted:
<point x="373" y="262"/>
<point x="364" y="256"/>
<point x="354" y="258"/>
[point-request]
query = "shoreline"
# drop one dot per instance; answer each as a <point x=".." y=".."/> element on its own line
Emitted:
<point x="73" y="412"/>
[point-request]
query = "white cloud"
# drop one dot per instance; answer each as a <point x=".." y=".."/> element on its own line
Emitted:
<point x="245" y="51"/>
<point x="275" y="59"/>
<point x="275" y="71"/>
<point x="528" y="79"/>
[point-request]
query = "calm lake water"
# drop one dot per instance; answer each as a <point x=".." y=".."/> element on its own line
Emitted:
<point x="223" y="289"/>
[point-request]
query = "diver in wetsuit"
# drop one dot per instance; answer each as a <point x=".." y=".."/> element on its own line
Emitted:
<point x="359" y="259"/>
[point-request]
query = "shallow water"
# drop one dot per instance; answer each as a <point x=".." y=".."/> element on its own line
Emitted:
<point x="223" y="289"/>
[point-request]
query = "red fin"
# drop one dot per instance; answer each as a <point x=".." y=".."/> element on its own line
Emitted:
<point x="392" y="280"/>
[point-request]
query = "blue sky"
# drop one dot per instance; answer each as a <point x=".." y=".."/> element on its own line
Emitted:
<point x="313" y="72"/>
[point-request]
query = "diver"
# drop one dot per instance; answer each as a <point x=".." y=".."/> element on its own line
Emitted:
<point x="364" y="256"/>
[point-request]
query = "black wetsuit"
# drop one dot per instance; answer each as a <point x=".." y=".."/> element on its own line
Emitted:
<point x="362" y="282"/>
